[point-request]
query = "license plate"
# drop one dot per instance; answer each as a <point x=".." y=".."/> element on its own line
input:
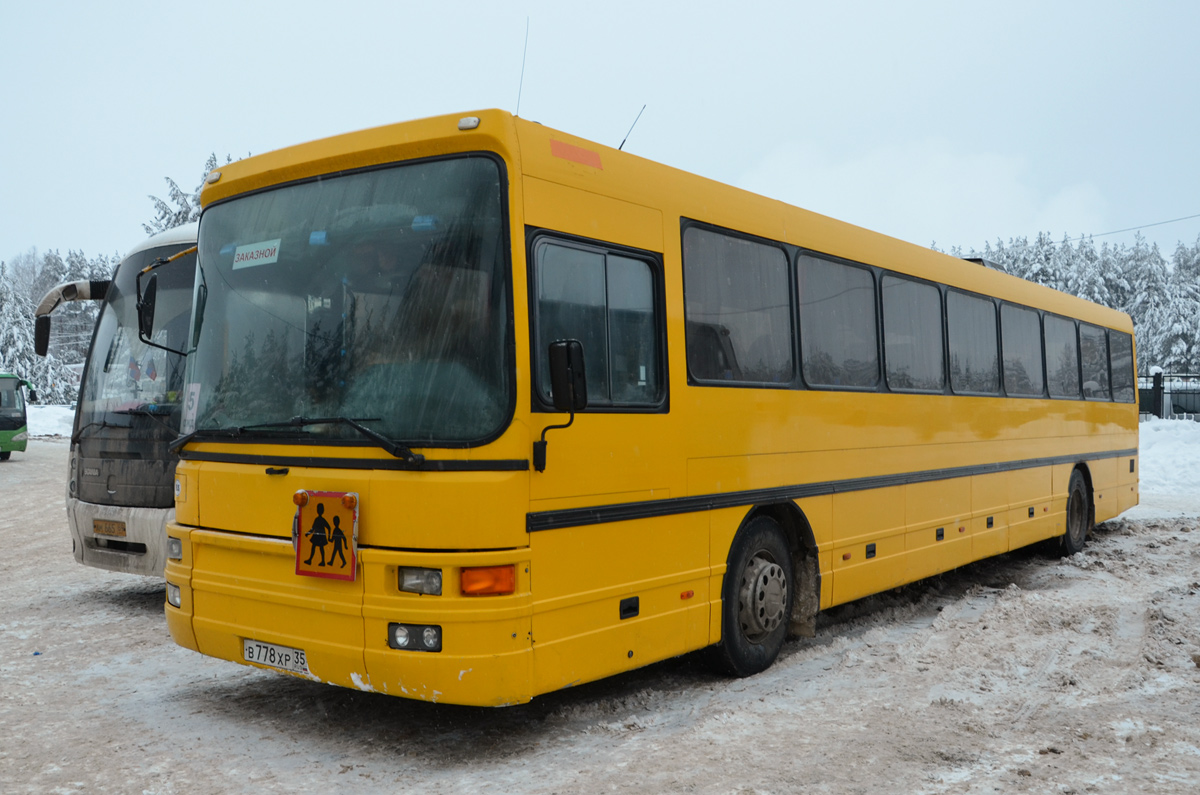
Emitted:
<point x="288" y="659"/>
<point x="103" y="527"/>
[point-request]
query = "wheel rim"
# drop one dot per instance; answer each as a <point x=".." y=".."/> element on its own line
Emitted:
<point x="762" y="598"/>
<point x="1076" y="522"/>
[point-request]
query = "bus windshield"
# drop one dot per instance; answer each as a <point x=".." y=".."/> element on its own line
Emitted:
<point x="124" y="375"/>
<point x="12" y="405"/>
<point x="377" y="296"/>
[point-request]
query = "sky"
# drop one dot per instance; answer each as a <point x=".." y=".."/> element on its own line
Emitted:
<point x="947" y="123"/>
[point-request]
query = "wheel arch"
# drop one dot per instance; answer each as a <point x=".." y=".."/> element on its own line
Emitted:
<point x="1085" y="471"/>
<point x="806" y="570"/>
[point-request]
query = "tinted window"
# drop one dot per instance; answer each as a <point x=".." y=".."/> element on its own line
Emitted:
<point x="1120" y="354"/>
<point x="1093" y="349"/>
<point x="1062" y="357"/>
<point x="606" y="301"/>
<point x="912" y="335"/>
<point x="1022" y="337"/>
<point x="838" y="337"/>
<point x="739" y="324"/>
<point x="971" y="327"/>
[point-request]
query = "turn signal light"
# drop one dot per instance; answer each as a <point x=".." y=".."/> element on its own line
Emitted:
<point x="350" y="501"/>
<point x="300" y="498"/>
<point x="489" y="580"/>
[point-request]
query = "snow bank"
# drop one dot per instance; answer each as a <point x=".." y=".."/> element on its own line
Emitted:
<point x="51" y="420"/>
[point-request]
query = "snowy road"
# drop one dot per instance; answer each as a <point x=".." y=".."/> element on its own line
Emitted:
<point x="1020" y="674"/>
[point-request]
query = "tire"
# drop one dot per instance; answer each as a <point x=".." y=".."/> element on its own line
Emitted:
<point x="4" y="456"/>
<point x="756" y="599"/>
<point x="1079" y="512"/>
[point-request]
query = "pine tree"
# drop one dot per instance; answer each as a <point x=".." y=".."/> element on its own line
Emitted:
<point x="1149" y="300"/>
<point x="180" y="208"/>
<point x="1081" y="271"/>
<point x="51" y="379"/>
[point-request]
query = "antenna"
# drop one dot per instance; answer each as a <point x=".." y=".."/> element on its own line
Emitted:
<point x="521" y="84"/>
<point x="635" y="121"/>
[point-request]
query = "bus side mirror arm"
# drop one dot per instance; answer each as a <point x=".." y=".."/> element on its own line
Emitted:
<point x="146" y="298"/>
<point x="568" y="385"/>
<point x="85" y="290"/>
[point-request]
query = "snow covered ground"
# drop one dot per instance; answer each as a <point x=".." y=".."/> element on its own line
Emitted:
<point x="1024" y="673"/>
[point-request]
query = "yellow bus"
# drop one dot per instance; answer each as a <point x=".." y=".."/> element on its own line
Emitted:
<point x="476" y="410"/>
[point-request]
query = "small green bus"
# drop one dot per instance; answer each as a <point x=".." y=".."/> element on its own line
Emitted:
<point x="13" y="431"/>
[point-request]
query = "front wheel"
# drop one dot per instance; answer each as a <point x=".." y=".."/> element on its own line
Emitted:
<point x="756" y="599"/>
<point x="1078" y="515"/>
<point x="4" y="456"/>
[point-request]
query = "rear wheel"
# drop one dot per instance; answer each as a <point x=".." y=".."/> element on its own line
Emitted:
<point x="1078" y="515"/>
<point x="756" y="599"/>
<point x="4" y="456"/>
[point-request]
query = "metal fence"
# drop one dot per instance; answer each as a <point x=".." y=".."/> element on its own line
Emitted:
<point x="1172" y="396"/>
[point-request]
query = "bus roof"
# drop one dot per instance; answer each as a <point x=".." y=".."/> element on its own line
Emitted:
<point x="175" y="236"/>
<point x="559" y="157"/>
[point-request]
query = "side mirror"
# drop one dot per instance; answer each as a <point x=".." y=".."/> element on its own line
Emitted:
<point x="32" y="396"/>
<point x="145" y="307"/>
<point x="569" y="387"/>
<point x="568" y="382"/>
<point x="41" y="335"/>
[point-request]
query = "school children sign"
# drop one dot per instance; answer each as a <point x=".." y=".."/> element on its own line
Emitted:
<point x="325" y="534"/>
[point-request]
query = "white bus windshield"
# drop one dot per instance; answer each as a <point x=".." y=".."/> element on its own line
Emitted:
<point x="124" y="375"/>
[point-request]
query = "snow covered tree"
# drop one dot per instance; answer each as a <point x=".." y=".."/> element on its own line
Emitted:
<point x="50" y="377"/>
<point x="1146" y="271"/>
<point x="1082" y="272"/>
<point x="1179" y="337"/>
<point x="179" y="208"/>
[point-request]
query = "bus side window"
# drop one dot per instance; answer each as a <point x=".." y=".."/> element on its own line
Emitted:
<point x="912" y="335"/>
<point x="1093" y="347"/>
<point x="839" y="341"/>
<point x="1021" y="338"/>
<point x="1120" y="356"/>
<point x="971" y="327"/>
<point x="739" y="322"/>
<point x="1062" y="357"/>
<point x="608" y="302"/>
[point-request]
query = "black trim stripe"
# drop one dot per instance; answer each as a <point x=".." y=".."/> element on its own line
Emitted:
<point x="494" y="465"/>
<point x="603" y="514"/>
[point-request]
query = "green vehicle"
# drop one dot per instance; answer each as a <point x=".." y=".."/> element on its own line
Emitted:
<point x="13" y="431"/>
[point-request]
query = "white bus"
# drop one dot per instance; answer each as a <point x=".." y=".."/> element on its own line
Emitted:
<point x="120" y="479"/>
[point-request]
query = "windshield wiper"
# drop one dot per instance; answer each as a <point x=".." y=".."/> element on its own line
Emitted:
<point x="187" y="437"/>
<point x="395" y="448"/>
<point x="147" y="410"/>
<point x="78" y="435"/>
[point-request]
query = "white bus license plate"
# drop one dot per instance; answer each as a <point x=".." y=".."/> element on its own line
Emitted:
<point x="288" y="659"/>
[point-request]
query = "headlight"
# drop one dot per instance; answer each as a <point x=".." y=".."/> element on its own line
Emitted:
<point x="173" y="597"/>
<point x="415" y="637"/>
<point x="174" y="548"/>
<point x="425" y="581"/>
<point x="21" y="437"/>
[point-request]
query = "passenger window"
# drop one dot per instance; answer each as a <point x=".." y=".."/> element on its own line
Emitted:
<point x="1093" y="353"/>
<point x="912" y="335"/>
<point x="971" y="327"/>
<point x="1021" y="335"/>
<point x="839" y="345"/>
<point x="1062" y="357"/>
<point x="739" y="324"/>
<point x="1120" y="356"/>
<point x="606" y="301"/>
